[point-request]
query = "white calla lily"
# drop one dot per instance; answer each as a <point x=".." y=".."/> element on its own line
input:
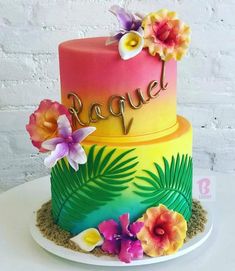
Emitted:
<point x="130" y="45"/>
<point x="88" y="239"/>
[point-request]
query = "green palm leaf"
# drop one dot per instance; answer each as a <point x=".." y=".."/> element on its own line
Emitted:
<point x="100" y="180"/>
<point x="171" y="185"/>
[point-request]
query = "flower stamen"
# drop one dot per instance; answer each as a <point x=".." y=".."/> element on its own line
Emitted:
<point x="49" y="125"/>
<point x="159" y="231"/>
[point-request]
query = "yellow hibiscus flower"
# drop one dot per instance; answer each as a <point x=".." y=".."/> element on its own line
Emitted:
<point x="166" y="35"/>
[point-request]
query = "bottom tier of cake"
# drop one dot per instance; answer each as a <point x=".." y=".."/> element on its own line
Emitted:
<point x="124" y="178"/>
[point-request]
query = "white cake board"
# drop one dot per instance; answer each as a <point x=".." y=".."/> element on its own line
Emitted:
<point x="91" y="259"/>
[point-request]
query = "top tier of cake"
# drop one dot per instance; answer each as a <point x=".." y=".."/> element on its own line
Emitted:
<point x="135" y="97"/>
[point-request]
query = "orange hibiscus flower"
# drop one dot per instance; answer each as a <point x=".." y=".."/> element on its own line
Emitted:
<point x="43" y="122"/>
<point x="166" y="35"/>
<point x="163" y="232"/>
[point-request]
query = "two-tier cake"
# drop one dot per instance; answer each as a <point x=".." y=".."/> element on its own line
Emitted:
<point x="121" y="158"/>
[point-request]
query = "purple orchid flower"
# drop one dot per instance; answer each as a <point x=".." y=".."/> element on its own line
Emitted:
<point x="122" y="240"/>
<point x="67" y="144"/>
<point x="127" y="21"/>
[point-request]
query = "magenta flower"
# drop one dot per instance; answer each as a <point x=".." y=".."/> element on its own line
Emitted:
<point x="67" y="144"/>
<point x="127" y="21"/>
<point x="122" y="239"/>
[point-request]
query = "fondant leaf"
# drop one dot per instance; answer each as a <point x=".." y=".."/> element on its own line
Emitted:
<point x="77" y="193"/>
<point x="171" y="185"/>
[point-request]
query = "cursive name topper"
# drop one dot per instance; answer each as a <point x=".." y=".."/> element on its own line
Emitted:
<point x="116" y="104"/>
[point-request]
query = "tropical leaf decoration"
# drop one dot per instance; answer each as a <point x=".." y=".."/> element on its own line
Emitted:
<point x="77" y="193"/>
<point x="171" y="186"/>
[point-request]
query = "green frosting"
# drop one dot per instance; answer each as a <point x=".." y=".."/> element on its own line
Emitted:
<point x="108" y="186"/>
<point x="171" y="186"/>
<point x="76" y="194"/>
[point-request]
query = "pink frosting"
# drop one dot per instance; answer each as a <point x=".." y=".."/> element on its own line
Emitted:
<point x="95" y="72"/>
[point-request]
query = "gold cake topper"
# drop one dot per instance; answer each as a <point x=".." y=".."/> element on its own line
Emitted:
<point x="95" y="113"/>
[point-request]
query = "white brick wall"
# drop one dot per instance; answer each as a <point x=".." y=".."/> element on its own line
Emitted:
<point x="30" y="31"/>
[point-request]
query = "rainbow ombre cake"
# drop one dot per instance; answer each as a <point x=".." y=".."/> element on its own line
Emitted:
<point x="119" y="152"/>
<point x="132" y="104"/>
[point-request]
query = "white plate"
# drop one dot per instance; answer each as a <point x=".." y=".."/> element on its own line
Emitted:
<point x="114" y="261"/>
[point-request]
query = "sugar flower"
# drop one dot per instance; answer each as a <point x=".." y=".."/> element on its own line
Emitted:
<point x="122" y="239"/>
<point x="163" y="233"/>
<point x="67" y="144"/>
<point x="127" y="21"/>
<point x="87" y="240"/>
<point x="130" y="45"/>
<point x="43" y="122"/>
<point x="166" y="35"/>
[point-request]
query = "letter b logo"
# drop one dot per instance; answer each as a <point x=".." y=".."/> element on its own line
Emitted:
<point x="204" y="186"/>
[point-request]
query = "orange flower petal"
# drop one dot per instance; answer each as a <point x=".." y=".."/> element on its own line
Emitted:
<point x="164" y="231"/>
